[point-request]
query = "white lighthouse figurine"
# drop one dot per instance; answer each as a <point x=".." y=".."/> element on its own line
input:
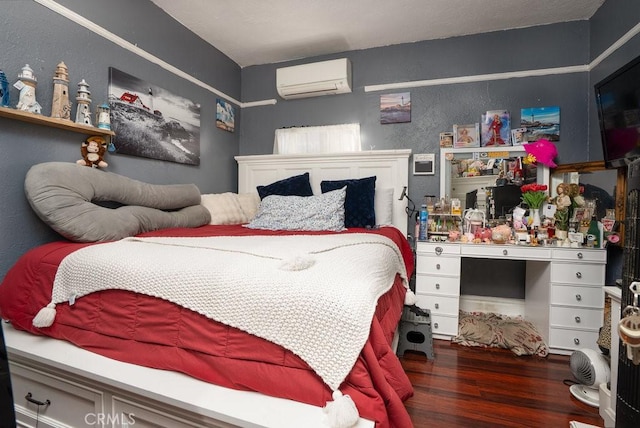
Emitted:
<point x="27" y="87"/>
<point x="83" y="111"/>
<point x="60" y="106"/>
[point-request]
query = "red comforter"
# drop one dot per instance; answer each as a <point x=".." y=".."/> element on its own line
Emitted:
<point x="156" y="333"/>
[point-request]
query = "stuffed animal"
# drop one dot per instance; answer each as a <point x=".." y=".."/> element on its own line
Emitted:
<point x="93" y="149"/>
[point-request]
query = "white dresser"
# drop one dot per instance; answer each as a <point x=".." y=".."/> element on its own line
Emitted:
<point x="564" y="290"/>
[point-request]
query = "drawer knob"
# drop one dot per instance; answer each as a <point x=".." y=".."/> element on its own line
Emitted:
<point x="580" y="255"/>
<point x="437" y="306"/>
<point x="435" y="325"/>
<point x="438" y="266"/>
<point x="578" y="275"/>
<point x="576" y="341"/>
<point x="578" y="297"/>
<point x="577" y="320"/>
<point x="30" y="399"/>
<point x="505" y="252"/>
<point x="438" y="250"/>
<point x="437" y="286"/>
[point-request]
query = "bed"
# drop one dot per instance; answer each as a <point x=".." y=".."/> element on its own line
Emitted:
<point x="145" y="358"/>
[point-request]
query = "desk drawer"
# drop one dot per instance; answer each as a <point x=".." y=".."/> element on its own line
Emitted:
<point x="444" y="324"/>
<point x="438" y="265"/>
<point x="439" y="305"/>
<point x="572" y="339"/>
<point x="578" y="273"/>
<point x="579" y="255"/>
<point x="70" y="402"/>
<point x="440" y="285"/>
<point x="511" y="252"/>
<point x="436" y="249"/>
<point x="581" y="318"/>
<point x="568" y="295"/>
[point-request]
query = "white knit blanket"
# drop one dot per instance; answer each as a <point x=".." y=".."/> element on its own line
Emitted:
<point x="312" y="294"/>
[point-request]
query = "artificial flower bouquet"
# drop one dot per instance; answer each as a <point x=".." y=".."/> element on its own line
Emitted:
<point x="534" y="195"/>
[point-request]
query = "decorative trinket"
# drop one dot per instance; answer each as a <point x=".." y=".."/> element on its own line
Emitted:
<point x="4" y="90"/>
<point x="103" y="117"/>
<point x="27" y="87"/>
<point x="60" y="106"/>
<point x="83" y="111"/>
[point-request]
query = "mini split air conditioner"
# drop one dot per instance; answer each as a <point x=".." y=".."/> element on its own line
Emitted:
<point x="315" y="79"/>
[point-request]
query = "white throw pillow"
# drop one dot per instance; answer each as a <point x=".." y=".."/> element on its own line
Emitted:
<point x="383" y="204"/>
<point x="225" y="208"/>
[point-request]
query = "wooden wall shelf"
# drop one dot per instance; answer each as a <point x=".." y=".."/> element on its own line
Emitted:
<point x="39" y="119"/>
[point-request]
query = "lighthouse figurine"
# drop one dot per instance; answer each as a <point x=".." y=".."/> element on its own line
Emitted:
<point x="27" y="86"/>
<point x="103" y="117"/>
<point x="60" y="106"/>
<point x="4" y="90"/>
<point x="83" y="111"/>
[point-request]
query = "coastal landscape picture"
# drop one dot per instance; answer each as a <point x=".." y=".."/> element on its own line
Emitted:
<point x="395" y="108"/>
<point x="151" y="122"/>
<point x="540" y="122"/>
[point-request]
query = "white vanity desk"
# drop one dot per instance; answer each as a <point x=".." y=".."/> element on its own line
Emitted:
<point x="564" y="289"/>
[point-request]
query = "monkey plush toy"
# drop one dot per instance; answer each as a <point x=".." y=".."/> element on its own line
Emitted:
<point x="93" y="149"/>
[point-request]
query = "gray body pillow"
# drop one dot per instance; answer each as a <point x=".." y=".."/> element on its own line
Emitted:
<point x="62" y="195"/>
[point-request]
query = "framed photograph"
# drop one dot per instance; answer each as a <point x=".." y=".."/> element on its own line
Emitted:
<point x="466" y="135"/>
<point x="579" y="214"/>
<point x="395" y="108"/>
<point x="518" y="136"/>
<point x="225" y="115"/>
<point x="424" y="164"/>
<point x="446" y="139"/>
<point x="541" y="122"/>
<point x="496" y="128"/>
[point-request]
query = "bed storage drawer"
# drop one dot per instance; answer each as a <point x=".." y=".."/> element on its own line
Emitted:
<point x="133" y="414"/>
<point x="71" y="404"/>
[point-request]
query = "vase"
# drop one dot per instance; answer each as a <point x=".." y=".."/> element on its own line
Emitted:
<point x="536" y="217"/>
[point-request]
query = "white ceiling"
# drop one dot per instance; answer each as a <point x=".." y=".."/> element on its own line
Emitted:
<point x="253" y="32"/>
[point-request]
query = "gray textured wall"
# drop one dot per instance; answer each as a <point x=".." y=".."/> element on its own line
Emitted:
<point x="436" y="108"/>
<point x="35" y="35"/>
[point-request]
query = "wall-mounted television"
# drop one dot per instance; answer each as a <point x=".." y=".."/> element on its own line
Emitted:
<point x="618" y="102"/>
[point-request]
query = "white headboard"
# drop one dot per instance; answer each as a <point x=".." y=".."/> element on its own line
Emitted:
<point x="391" y="167"/>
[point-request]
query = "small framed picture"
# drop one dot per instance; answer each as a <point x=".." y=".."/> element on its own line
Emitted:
<point x="496" y="128"/>
<point x="579" y="214"/>
<point x="466" y="135"/>
<point x="446" y="139"/>
<point x="424" y="164"/>
<point x="518" y="136"/>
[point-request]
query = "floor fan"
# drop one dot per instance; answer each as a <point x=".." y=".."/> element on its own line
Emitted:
<point x="591" y="369"/>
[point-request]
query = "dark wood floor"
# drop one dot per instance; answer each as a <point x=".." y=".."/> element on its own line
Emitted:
<point x="475" y="387"/>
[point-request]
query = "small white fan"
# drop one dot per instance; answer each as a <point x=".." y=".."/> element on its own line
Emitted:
<point x="591" y="369"/>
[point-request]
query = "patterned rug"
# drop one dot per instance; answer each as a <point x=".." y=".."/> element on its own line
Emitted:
<point x="500" y="331"/>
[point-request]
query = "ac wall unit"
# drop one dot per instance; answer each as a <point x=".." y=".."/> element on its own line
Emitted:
<point x="315" y="79"/>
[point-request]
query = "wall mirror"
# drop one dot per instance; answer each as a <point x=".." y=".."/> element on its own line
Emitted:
<point x="594" y="175"/>
<point x="489" y="187"/>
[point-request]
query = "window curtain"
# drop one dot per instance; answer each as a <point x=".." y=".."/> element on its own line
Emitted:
<point x="318" y="139"/>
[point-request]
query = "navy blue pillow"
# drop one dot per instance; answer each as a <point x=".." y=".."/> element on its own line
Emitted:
<point x="298" y="185"/>
<point x="359" y="207"/>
